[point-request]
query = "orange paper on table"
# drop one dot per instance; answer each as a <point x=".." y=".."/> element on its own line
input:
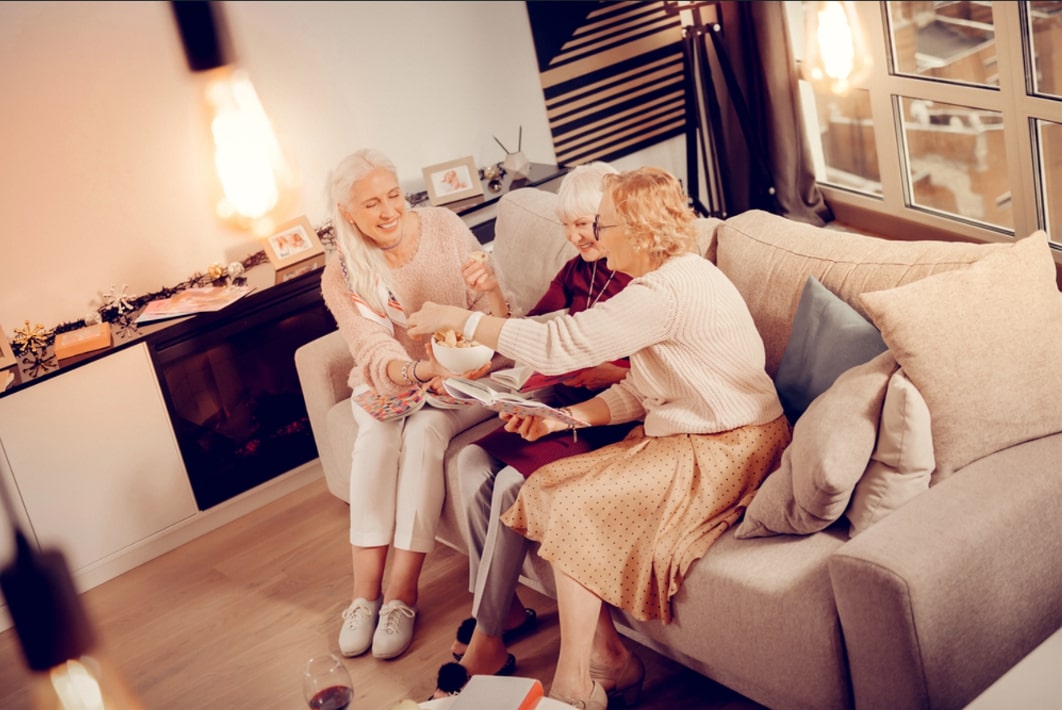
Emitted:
<point x="82" y="340"/>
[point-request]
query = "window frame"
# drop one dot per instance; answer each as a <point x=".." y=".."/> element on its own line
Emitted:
<point x="893" y="212"/>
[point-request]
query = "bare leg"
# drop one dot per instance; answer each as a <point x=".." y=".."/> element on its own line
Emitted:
<point x="405" y="576"/>
<point x="579" y="611"/>
<point x="368" y="571"/>
<point x="610" y="657"/>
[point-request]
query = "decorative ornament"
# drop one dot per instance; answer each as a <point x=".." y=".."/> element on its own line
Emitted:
<point x="118" y="300"/>
<point x="32" y="340"/>
<point x="235" y="270"/>
<point x="92" y="318"/>
<point x="216" y="272"/>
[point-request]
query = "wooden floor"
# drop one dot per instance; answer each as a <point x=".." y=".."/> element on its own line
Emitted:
<point x="227" y="620"/>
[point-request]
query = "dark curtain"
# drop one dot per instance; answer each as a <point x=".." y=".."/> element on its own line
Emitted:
<point x="757" y="44"/>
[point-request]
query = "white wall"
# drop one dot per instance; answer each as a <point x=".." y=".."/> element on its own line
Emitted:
<point x="104" y="161"/>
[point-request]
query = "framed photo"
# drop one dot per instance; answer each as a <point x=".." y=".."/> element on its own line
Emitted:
<point x="452" y="181"/>
<point x="295" y="242"/>
<point x="7" y="356"/>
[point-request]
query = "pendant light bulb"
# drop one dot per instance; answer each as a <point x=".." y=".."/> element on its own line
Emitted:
<point x="256" y="184"/>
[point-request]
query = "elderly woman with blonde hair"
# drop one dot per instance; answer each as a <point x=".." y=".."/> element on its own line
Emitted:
<point x="622" y="525"/>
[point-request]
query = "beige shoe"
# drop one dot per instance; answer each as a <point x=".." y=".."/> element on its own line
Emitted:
<point x="359" y="621"/>
<point x="598" y="699"/>
<point x="627" y="683"/>
<point x="394" y="632"/>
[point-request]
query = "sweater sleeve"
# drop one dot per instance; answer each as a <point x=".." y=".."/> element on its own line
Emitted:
<point x="371" y="344"/>
<point x="635" y="318"/>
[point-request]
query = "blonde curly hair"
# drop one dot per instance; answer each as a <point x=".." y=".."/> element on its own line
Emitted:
<point x="654" y="208"/>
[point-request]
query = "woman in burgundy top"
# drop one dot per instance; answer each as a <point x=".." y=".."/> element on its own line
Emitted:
<point x="495" y="467"/>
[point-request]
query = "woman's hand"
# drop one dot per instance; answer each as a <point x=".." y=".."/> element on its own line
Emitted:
<point x="433" y="317"/>
<point x="598" y="377"/>
<point x="531" y="428"/>
<point x="479" y="276"/>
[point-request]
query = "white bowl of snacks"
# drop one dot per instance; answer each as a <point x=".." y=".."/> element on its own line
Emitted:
<point x="458" y="355"/>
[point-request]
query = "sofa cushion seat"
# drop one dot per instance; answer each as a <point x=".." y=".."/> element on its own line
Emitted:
<point x="767" y="604"/>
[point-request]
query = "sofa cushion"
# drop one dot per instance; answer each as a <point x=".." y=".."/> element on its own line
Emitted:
<point x="831" y="446"/>
<point x="769" y="258"/>
<point x="828" y="337"/>
<point x="758" y="616"/>
<point x="529" y="245"/>
<point x="902" y="462"/>
<point x="983" y="346"/>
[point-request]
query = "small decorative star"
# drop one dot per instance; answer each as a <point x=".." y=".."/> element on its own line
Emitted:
<point x="118" y="300"/>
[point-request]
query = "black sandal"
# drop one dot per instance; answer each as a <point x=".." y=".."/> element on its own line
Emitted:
<point x="464" y="631"/>
<point x="453" y="677"/>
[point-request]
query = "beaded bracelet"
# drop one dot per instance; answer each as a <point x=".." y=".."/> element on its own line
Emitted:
<point x="405" y="372"/>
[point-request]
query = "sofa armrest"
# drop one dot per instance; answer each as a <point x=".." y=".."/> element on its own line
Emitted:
<point x="942" y="597"/>
<point x="323" y="366"/>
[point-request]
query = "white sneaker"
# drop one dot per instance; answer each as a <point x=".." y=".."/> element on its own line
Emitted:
<point x="394" y="631"/>
<point x="359" y="620"/>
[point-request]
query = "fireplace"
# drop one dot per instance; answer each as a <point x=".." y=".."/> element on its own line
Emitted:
<point x="233" y="395"/>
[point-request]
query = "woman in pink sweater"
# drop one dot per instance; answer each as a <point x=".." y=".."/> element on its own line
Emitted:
<point x="389" y="262"/>
<point x="622" y="524"/>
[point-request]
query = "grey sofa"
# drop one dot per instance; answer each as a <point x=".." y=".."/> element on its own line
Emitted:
<point x="926" y="608"/>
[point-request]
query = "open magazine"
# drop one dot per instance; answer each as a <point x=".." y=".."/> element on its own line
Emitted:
<point x="507" y="402"/>
<point x="191" y="301"/>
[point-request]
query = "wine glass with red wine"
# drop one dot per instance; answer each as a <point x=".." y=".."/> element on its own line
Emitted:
<point x="326" y="683"/>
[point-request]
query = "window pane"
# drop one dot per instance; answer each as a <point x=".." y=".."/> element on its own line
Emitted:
<point x="1046" y="43"/>
<point x="953" y="41"/>
<point x="1050" y="143"/>
<point x="843" y="125"/>
<point x="956" y="161"/>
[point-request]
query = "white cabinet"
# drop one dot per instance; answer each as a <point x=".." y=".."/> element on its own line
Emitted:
<point x="94" y="459"/>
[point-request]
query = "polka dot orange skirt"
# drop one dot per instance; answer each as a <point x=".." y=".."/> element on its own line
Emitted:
<point x="629" y="519"/>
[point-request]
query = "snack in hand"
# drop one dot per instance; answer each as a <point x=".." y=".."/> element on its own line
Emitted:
<point x="480" y="256"/>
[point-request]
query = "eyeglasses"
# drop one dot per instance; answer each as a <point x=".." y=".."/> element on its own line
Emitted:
<point x="598" y="228"/>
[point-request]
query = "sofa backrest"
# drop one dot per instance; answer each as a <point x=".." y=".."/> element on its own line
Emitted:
<point x="769" y="258"/>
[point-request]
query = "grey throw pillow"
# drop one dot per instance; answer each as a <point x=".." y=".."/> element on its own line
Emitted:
<point x="828" y="337"/>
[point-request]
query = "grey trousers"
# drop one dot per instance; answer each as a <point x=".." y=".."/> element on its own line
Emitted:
<point x="496" y="553"/>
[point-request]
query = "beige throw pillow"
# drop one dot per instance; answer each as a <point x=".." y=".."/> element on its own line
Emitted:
<point x="902" y="461"/>
<point x="831" y="446"/>
<point x="983" y="346"/>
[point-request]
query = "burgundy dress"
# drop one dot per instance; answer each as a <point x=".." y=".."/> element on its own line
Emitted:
<point x="570" y="289"/>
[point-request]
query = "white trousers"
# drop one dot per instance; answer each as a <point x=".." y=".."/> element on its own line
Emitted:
<point x="397" y="487"/>
<point x="496" y="553"/>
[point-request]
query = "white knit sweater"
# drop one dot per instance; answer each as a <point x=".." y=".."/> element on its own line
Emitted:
<point x="697" y="360"/>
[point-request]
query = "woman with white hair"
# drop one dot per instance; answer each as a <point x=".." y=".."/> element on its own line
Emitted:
<point x="389" y="261"/>
<point x="493" y="469"/>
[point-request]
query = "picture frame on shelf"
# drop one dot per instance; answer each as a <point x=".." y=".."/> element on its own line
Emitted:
<point x="7" y="355"/>
<point x="452" y="181"/>
<point x="294" y="249"/>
